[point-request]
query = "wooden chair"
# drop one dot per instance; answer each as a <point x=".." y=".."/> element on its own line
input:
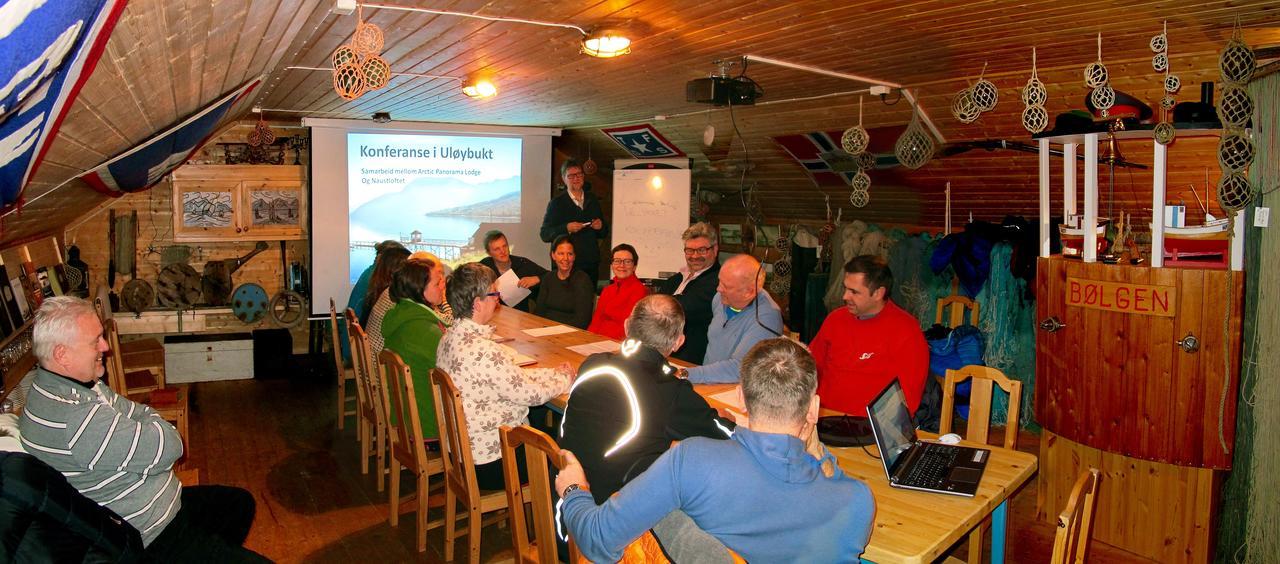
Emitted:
<point x="981" y="395"/>
<point x="952" y="309"/>
<point x="408" y="449"/>
<point x="344" y="374"/>
<point x="141" y="368"/>
<point x="460" y="470"/>
<point x="173" y="409"/>
<point x="142" y="360"/>
<point x="538" y="450"/>
<point x="371" y="419"/>
<point x="1072" y="540"/>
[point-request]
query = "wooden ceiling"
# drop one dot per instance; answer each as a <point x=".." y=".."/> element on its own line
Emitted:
<point x="168" y="58"/>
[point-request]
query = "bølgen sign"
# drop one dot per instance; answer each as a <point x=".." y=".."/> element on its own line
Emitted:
<point x="1122" y="297"/>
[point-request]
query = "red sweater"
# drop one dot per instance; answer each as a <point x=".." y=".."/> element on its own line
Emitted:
<point x="615" y="305"/>
<point x="858" y="358"/>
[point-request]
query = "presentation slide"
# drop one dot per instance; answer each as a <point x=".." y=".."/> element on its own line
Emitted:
<point x="430" y="192"/>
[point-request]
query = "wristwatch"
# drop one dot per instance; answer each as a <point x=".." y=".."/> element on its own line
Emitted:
<point x="682" y="373"/>
<point x="569" y="489"/>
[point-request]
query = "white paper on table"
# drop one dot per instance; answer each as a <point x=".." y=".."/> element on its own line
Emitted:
<point x="547" y="331"/>
<point x="509" y="287"/>
<point x="731" y="399"/>
<point x="520" y="359"/>
<point x="596" y="347"/>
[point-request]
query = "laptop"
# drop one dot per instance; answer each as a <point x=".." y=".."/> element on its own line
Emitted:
<point x="916" y="465"/>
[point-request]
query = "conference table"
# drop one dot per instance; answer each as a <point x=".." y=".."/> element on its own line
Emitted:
<point x="910" y="526"/>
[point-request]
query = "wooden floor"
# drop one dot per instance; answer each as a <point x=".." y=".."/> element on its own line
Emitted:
<point x="278" y="439"/>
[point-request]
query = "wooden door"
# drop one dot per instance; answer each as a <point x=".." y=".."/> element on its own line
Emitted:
<point x="1114" y="377"/>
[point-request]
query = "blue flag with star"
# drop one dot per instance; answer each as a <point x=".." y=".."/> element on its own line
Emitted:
<point x="643" y="141"/>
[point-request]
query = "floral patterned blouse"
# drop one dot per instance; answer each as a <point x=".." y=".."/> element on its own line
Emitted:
<point x="495" y="392"/>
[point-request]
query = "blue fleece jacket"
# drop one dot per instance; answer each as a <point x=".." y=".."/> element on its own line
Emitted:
<point x="728" y="340"/>
<point x="760" y="494"/>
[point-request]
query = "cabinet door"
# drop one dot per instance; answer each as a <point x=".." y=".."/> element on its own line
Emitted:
<point x="273" y="209"/>
<point x="205" y="209"/>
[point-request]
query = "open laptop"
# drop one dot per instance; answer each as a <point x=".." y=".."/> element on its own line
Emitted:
<point x="915" y="465"/>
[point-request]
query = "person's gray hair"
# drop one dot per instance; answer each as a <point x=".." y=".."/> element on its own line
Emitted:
<point x="701" y="230"/>
<point x="468" y="282"/>
<point x="657" y="321"/>
<point x="779" y="378"/>
<point x="56" y="325"/>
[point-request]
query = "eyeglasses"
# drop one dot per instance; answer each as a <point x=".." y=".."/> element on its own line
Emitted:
<point x="578" y="175"/>
<point x="493" y="295"/>
<point x="623" y="262"/>
<point x="697" y="251"/>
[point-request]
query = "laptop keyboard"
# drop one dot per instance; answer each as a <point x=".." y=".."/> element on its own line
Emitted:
<point x="930" y="468"/>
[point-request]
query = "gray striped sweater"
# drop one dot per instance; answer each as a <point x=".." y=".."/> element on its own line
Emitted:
<point x="116" y="452"/>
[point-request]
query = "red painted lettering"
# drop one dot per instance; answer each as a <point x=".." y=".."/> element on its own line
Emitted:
<point x="1074" y="292"/>
<point x="1104" y="292"/>
<point x="1122" y="297"/>
<point x="1161" y="300"/>
<point x="1139" y="298"/>
<point x="1091" y="294"/>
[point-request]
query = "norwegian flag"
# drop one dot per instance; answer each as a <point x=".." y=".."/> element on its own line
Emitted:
<point x="50" y="49"/>
<point x="813" y="151"/>
<point x="143" y="166"/>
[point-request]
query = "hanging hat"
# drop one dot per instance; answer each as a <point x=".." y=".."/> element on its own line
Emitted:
<point x="1126" y="107"/>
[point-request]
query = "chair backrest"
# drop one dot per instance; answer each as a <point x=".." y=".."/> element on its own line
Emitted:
<point x="404" y="426"/>
<point x="368" y="381"/>
<point x="952" y="309"/>
<point x="538" y="450"/>
<point x="980" y="399"/>
<point x="455" y="440"/>
<point x="113" y="360"/>
<point x="333" y="340"/>
<point x="1072" y="539"/>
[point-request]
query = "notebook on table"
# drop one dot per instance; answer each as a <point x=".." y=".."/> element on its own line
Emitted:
<point x="912" y="464"/>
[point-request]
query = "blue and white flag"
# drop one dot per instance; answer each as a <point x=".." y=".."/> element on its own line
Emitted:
<point x="643" y="141"/>
<point x="143" y="166"/>
<point x="49" y="47"/>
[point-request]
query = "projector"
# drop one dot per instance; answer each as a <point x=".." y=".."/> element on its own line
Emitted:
<point x="720" y="91"/>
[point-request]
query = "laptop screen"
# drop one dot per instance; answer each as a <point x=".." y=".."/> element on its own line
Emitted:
<point x="891" y="421"/>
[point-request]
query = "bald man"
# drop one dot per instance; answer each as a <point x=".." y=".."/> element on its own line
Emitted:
<point x="742" y="314"/>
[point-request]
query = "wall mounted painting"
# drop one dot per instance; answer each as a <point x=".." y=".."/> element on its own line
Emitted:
<point x="207" y="209"/>
<point x="275" y="207"/>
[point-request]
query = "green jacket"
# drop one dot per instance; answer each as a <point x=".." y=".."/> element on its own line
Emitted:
<point x="413" y="331"/>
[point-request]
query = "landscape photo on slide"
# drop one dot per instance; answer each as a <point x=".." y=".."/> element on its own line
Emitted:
<point x="430" y="192"/>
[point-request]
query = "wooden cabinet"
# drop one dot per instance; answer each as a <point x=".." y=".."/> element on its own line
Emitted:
<point x="239" y="203"/>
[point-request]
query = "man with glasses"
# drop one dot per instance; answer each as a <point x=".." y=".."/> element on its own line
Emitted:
<point x="694" y="287"/>
<point x="577" y="214"/>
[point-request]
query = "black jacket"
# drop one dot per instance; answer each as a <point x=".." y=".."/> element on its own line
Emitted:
<point x="560" y="211"/>
<point x="46" y="520"/>
<point x="523" y="267"/>
<point x="696" y="301"/>
<point x="598" y="414"/>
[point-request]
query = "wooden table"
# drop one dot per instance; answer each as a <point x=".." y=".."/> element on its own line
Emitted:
<point x="910" y="526"/>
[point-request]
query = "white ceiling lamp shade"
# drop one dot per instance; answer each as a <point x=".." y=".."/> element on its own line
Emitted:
<point x="606" y="43"/>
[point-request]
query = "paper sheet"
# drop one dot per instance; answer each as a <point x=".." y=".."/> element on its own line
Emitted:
<point x="508" y="286"/>
<point x="596" y="347"/>
<point x="729" y="398"/>
<point x="547" y="331"/>
<point x="520" y="359"/>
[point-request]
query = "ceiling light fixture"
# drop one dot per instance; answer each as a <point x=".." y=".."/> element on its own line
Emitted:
<point x="479" y="88"/>
<point x="606" y="43"/>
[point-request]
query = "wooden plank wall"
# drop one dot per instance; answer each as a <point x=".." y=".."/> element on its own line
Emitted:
<point x="1160" y="511"/>
<point x="155" y="232"/>
<point x="1117" y="382"/>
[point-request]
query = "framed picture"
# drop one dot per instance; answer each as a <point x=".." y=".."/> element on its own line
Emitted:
<point x="767" y="234"/>
<point x="730" y="234"/>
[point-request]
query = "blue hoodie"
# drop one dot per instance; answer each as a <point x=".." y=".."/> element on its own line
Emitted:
<point x="760" y="494"/>
<point x="729" y="338"/>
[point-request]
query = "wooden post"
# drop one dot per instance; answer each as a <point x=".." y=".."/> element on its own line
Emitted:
<point x="1090" y="197"/>
<point x="1069" y="182"/>
<point x="1157" y="205"/>
<point x="1044" y="198"/>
